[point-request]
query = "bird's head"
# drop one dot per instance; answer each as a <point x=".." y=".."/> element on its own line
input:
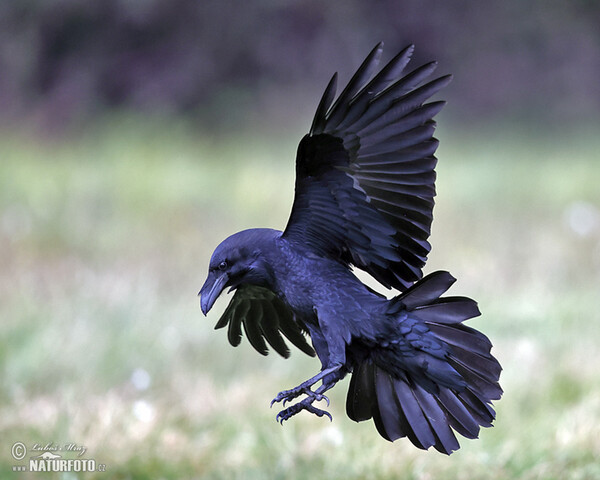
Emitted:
<point x="238" y="260"/>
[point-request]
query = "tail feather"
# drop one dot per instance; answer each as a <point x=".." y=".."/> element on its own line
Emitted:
<point x="486" y="368"/>
<point x="361" y="395"/>
<point x="423" y="293"/>
<point x="481" y="411"/>
<point x="461" y="336"/>
<point x="483" y="386"/>
<point x="436" y="417"/>
<point x="391" y="422"/>
<point x="449" y="310"/>
<point x="432" y="396"/>
<point x="458" y="415"/>
<point x="420" y="429"/>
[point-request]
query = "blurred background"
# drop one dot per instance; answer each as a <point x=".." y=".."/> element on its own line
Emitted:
<point x="136" y="135"/>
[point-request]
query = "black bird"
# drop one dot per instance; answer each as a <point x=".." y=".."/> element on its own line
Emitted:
<point x="364" y="198"/>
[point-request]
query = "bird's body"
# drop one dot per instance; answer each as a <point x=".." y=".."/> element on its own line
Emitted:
<point x="335" y="288"/>
<point x="334" y="291"/>
<point x="364" y="198"/>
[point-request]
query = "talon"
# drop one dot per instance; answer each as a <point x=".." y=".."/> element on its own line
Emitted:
<point x="287" y="396"/>
<point x="305" y="404"/>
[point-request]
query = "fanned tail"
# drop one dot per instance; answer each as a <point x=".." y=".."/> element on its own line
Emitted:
<point x="447" y="385"/>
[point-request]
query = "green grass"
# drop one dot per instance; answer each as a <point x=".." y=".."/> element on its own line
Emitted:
<point x="105" y="238"/>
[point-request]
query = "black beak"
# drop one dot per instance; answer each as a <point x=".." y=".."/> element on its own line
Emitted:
<point x="212" y="288"/>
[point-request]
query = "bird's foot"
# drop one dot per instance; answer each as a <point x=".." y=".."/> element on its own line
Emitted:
<point x="305" y="404"/>
<point x="311" y="395"/>
<point x="303" y="389"/>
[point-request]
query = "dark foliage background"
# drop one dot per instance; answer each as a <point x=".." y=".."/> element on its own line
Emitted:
<point x="67" y="60"/>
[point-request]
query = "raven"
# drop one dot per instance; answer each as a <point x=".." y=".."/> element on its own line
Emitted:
<point x="365" y="183"/>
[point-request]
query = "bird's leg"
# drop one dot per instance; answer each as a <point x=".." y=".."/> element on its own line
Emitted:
<point x="311" y="396"/>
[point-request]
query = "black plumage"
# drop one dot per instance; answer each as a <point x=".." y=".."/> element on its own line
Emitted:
<point x="365" y="183"/>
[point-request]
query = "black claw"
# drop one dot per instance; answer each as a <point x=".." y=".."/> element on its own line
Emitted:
<point x="288" y="395"/>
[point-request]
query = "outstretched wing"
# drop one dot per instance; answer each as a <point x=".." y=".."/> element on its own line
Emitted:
<point x="365" y="172"/>
<point x="263" y="316"/>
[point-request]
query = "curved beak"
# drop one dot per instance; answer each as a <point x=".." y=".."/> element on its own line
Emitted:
<point x="212" y="288"/>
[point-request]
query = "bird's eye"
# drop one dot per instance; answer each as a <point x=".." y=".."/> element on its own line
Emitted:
<point x="223" y="265"/>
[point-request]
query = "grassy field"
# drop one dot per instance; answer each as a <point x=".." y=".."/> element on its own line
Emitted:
<point x="105" y="237"/>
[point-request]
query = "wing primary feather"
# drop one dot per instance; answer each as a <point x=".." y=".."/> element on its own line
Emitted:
<point x="412" y="119"/>
<point x="419" y="165"/>
<point x="411" y="138"/>
<point x="406" y="83"/>
<point x="293" y="333"/>
<point x="383" y="191"/>
<point x="318" y="123"/>
<point x="234" y="333"/>
<point x="389" y="73"/>
<point x="251" y="325"/>
<point x="362" y="75"/>
<point x="389" y="180"/>
<point x="384" y="100"/>
<point x="359" y="103"/>
<point x="270" y="329"/>
<point x="224" y="320"/>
